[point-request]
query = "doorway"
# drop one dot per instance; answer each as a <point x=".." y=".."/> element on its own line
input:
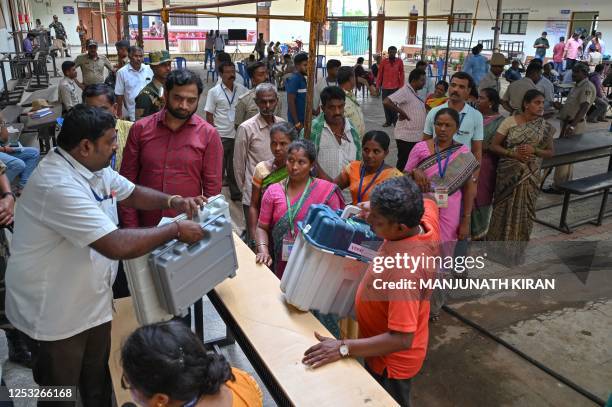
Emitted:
<point x="589" y="23"/>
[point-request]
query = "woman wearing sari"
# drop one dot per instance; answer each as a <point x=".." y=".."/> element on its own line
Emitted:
<point x="286" y="203"/>
<point x="488" y="105"/>
<point x="442" y="166"/>
<point x="272" y="171"/>
<point x="521" y="142"/>
<point x="362" y="176"/>
<point x="438" y="97"/>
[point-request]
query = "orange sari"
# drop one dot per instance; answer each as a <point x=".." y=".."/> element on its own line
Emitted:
<point x="353" y="171"/>
<point x="245" y="390"/>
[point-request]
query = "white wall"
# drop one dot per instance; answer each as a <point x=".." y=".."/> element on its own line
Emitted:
<point x="396" y="32"/>
<point x="48" y="8"/>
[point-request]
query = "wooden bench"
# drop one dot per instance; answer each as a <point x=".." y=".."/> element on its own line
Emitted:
<point x="585" y="186"/>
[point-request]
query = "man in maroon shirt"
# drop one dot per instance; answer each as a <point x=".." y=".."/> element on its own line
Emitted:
<point x="390" y="78"/>
<point x="174" y="150"/>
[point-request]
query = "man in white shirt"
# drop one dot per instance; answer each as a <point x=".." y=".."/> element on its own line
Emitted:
<point x="131" y="79"/>
<point x="219" y="42"/>
<point x="337" y="141"/>
<point x="69" y="88"/>
<point x="64" y="252"/>
<point x="221" y="112"/>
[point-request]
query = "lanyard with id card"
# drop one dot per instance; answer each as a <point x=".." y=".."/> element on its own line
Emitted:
<point x="441" y="191"/>
<point x="292" y="211"/>
<point x="232" y="111"/>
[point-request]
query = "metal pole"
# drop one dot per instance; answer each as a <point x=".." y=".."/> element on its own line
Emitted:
<point x="474" y="22"/>
<point x="370" y="34"/>
<point x="166" y="29"/>
<point x="118" y="17"/>
<point x="423" y="40"/>
<point x="104" y="30"/>
<point x="450" y="26"/>
<point x="126" y="22"/>
<point x="497" y="27"/>
<point x="312" y="71"/>
<point x="140" y="40"/>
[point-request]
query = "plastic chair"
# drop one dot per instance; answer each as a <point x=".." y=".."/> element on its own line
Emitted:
<point x="181" y="63"/>
<point x="321" y="65"/>
<point x="212" y="71"/>
<point x="243" y="72"/>
<point x="440" y="68"/>
<point x="147" y="60"/>
<point x="284" y="48"/>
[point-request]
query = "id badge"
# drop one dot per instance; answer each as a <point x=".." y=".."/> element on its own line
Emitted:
<point x="441" y="195"/>
<point x="231" y="115"/>
<point x="288" y="243"/>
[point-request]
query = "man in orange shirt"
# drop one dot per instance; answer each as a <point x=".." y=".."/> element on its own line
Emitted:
<point x="393" y="323"/>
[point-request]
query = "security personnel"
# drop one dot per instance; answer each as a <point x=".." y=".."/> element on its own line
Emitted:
<point x="151" y="98"/>
<point x="572" y="115"/>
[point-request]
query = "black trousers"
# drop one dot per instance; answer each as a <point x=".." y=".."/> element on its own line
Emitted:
<point x="228" y="167"/>
<point x="390" y="115"/>
<point x="81" y="360"/>
<point x="569" y="64"/>
<point x="399" y="389"/>
<point x="403" y="151"/>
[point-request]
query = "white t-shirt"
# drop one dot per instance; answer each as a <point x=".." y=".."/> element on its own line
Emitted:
<point x="56" y="285"/>
<point x="129" y="84"/>
<point x="221" y="102"/>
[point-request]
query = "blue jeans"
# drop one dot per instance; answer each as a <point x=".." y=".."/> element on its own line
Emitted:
<point x="558" y="66"/>
<point x="209" y="56"/>
<point x="20" y="163"/>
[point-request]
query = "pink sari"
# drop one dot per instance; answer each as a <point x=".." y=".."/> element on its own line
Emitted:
<point x="450" y="217"/>
<point x="273" y="212"/>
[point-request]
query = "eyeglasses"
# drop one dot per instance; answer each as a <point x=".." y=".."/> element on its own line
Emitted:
<point x="125" y="384"/>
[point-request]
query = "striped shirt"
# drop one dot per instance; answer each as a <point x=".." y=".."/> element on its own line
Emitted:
<point x="406" y="99"/>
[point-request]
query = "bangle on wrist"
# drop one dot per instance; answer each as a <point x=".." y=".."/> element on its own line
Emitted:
<point x="169" y="203"/>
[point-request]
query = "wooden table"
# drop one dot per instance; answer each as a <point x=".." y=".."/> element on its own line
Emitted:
<point x="274" y="337"/>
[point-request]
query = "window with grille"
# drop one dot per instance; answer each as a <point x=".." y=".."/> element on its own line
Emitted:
<point x="462" y="22"/>
<point x="514" y="23"/>
<point x="183" y="20"/>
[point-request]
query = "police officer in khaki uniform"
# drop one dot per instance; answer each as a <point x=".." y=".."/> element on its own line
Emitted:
<point x="151" y="98"/>
<point x="573" y="115"/>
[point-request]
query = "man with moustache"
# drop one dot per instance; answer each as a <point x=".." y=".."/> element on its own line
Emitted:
<point x="247" y="105"/>
<point x="131" y="79"/>
<point x="220" y="110"/>
<point x="390" y="79"/>
<point x="151" y="98"/>
<point x="337" y="141"/>
<point x="252" y="144"/>
<point x="174" y="150"/>
<point x="470" y="131"/>
<point x="68" y="241"/>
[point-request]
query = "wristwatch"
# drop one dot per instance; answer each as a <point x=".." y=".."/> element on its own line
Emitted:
<point x="344" y="349"/>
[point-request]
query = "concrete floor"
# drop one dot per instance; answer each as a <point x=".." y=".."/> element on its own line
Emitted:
<point x="567" y="330"/>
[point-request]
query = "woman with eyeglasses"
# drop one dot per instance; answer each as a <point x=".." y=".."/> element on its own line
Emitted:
<point x="165" y="364"/>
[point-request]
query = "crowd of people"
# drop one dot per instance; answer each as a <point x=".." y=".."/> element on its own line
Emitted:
<point x="132" y="150"/>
